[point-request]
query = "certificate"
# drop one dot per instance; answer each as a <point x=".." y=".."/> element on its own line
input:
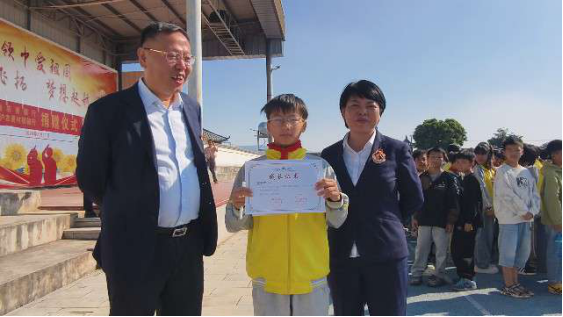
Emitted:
<point x="283" y="187"/>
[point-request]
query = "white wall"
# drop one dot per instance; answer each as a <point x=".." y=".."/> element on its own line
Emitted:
<point x="232" y="157"/>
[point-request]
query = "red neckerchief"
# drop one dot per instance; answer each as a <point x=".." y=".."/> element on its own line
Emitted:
<point x="284" y="150"/>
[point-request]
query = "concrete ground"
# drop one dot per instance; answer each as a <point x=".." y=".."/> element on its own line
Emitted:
<point x="228" y="289"/>
<point x="228" y="292"/>
<point x="486" y="300"/>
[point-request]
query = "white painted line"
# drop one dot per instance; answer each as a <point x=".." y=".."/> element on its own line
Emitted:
<point x="475" y="304"/>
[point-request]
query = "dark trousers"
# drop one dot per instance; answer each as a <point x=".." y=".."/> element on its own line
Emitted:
<point x="173" y="286"/>
<point x="537" y="254"/>
<point x="382" y="286"/>
<point x="462" y="249"/>
<point x="212" y="167"/>
<point x="88" y="207"/>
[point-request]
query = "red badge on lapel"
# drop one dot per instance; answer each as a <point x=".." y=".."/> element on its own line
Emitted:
<point x="378" y="156"/>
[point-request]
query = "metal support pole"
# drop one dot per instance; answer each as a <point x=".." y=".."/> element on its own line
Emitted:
<point x="119" y="64"/>
<point x="193" y="28"/>
<point x="268" y="71"/>
<point x="28" y="16"/>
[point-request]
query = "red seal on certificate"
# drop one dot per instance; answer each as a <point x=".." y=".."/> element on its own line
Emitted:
<point x="378" y="156"/>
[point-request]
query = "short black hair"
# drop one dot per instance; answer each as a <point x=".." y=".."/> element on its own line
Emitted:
<point x="438" y="149"/>
<point x="155" y="28"/>
<point x="455" y="148"/>
<point x="418" y="153"/>
<point x="553" y="146"/>
<point x="498" y="154"/>
<point x="512" y="140"/>
<point x="530" y="155"/>
<point x="464" y="155"/>
<point x="365" y="89"/>
<point x="286" y="103"/>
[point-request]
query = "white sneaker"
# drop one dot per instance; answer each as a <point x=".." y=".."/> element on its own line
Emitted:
<point x="430" y="269"/>
<point x="465" y="285"/>
<point x="492" y="269"/>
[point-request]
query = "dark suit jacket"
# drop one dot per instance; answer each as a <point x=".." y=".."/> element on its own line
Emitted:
<point x="116" y="167"/>
<point x="385" y="194"/>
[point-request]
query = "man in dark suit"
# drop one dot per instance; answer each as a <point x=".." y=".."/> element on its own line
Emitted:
<point x="141" y="159"/>
<point x="368" y="253"/>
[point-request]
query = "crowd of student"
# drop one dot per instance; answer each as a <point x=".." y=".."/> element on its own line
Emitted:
<point x="474" y="197"/>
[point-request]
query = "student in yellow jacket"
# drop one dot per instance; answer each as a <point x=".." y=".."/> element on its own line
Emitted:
<point x="287" y="254"/>
<point x="485" y="173"/>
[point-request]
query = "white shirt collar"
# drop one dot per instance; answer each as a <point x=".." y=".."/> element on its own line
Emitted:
<point x="150" y="99"/>
<point x="367" y="146"/>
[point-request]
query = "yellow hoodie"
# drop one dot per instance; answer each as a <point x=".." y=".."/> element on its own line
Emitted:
<point x="539" y="165"/>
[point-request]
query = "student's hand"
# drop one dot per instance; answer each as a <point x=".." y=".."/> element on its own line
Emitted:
<point x="528" y="216"/>
<point x="328" y="188"/>
<point x="556" y="228"/>
<point x="414" y="224"/>
<point x="468" y="227"/>
<point x="238" y="195"/>
<point x="449" y="228"/>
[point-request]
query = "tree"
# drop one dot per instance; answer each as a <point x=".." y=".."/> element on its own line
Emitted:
<point x="434" y="132"/>
<point x="500" y="136"/>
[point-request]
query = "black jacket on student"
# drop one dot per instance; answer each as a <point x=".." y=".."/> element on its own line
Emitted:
<point x="441" y="200"/>
<point x="471" y="204"/>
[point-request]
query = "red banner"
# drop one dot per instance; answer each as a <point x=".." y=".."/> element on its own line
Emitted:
<point x="35" y="118"/>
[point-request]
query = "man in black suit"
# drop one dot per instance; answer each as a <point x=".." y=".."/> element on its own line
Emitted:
<point x="140" y="158"/>
<point x="368" y="253"/>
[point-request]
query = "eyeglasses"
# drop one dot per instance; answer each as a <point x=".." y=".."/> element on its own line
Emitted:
<point x="174" y="57"/>
<point x="357" y="108"/>
<point x="280" y="121"/>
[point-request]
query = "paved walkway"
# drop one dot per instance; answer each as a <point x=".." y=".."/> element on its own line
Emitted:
<point x="228" y="289"/>
<point x="228" y="292"/>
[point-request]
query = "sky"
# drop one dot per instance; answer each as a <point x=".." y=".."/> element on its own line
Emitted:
<point x="487" y="64"/>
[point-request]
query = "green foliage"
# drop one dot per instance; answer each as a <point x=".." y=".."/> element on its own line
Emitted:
<point x="434" y="132"/>
<point x="500" y="136"/>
